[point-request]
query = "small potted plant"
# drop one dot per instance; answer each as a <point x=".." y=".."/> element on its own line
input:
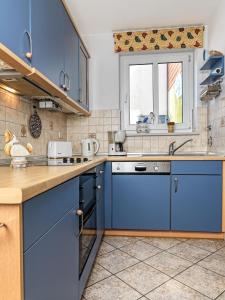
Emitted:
<point x="170" y="126"/>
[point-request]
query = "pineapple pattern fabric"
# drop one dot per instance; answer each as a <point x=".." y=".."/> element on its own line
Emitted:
<point x="158" y="39"/>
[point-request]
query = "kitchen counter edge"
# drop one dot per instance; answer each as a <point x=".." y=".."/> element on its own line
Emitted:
<point x="20" y="185"/>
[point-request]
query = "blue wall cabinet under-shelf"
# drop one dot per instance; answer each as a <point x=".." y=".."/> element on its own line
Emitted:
<point x="51" y="257"/>
<point x="48" y="36"/>
<point x="16" y="35"/>
<point x="141" y="202"/>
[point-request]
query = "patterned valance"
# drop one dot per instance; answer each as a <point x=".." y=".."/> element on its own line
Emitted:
<point x="158" y="39"/>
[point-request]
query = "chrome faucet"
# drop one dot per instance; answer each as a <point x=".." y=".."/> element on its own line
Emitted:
<point x="172" y="150"/>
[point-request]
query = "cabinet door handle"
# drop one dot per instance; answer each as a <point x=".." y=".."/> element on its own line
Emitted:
<point x="62" y="80"/>
<point x="176" y="184"/>
<point x="80" y="213"/>
<point x="67" y="82"/>
<point x="2" y="225"/>
<point x="29" y="53"/>
<point x="101" y="172"/>
<point x="99" y="187"/>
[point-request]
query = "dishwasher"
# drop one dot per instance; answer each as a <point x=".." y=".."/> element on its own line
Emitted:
<point x="141" y="195"/>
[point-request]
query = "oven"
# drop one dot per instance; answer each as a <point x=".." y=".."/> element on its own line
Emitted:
<point x="87" y="216"/>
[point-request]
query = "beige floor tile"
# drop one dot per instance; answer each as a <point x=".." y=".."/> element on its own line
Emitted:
<point x="173" y="290"/>
<point x="164" y="243"/>
<point x="168" y="263"/>
<point x="214" y="263"/>
<point x="189" y="252"/>
<point x="140" y="250"/>
<point x="203" y="281"/>
<point x="208" y="245"/>
<point x="98" y="273"/>
<point x="221" y="297"/>
<point x="116" y="261"/>
<point x="142" y="277"/>
<point x="119" y="241"/>
<point x="111" y="289"/>
<point x="105" y="248"/>
<point x="221" y="252"/>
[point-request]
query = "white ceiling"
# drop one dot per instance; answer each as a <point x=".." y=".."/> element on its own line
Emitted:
<point x="104" y="16"/>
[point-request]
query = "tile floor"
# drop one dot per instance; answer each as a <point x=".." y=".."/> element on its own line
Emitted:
<point x="158" y="269"/>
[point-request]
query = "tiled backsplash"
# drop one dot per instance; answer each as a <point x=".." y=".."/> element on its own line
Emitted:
<point x="102" y="121"/>
<point x="216" y="119"/>
<point x="15" y="112"/>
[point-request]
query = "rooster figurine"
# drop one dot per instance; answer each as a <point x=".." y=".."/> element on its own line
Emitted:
<point x="17" y="151"/>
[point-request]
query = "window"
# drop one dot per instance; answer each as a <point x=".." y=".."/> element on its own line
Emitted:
<point x="161" y="83"/>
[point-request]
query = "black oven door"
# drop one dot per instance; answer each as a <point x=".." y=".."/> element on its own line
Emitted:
<point x="88" y="234"/>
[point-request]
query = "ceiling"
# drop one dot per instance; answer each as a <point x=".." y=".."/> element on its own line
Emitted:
<point x="104" y="16"/>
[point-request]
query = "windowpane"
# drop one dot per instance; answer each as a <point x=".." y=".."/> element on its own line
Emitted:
<point x="171" y="91"/>
<point x="175" y="92"/>
<point x="162" y="73"/>
<point x="141" y="91"/>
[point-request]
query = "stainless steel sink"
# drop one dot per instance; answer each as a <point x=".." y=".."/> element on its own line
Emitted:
<point x="197" y="153"/>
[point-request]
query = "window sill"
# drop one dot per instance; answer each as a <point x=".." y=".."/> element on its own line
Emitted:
<point x="135" y="134"/>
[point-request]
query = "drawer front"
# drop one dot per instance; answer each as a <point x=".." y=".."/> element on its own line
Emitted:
<point x="43" y="211"/>
<point x="197" y="167"/>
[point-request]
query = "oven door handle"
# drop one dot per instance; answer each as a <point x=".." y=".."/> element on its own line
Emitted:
<point x="80" y="213"/>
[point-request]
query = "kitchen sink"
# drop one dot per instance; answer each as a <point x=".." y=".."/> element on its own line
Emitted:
<point x="177" y="154"/>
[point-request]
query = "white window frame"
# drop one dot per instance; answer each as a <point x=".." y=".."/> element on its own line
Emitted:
<point x="187" y="58"/>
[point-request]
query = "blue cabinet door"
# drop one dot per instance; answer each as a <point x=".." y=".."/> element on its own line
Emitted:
<point x="71" y="59"/>
<point x="100" y="202"/>
<point x="48" y="35"/>
<point x="15" y="26"/>
<point x="51" y="265"/>
<point x="141" y="202"/>
<point x="108" y="195"/>
<point x="196" y="203"/>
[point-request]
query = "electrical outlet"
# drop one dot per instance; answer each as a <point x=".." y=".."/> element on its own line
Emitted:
<point x="92" y="135"/>
<point x="51" y="125"/>
<point x="222" y="122"/>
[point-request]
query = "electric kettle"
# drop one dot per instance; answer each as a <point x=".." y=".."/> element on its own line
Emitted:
<point x="89" y="147"/>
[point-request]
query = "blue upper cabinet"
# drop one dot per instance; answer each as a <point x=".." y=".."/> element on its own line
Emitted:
<point x="47" y="26"/>
<point x="83" y="76"/>
<point x="71" y="59"/>
<point x="15" y="26"/>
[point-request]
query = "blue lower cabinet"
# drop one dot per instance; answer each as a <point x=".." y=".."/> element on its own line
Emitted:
<point x="196" y="203"/>
<point x="141" y="202"/>
<point x="100" y="202"/>
<point x="43" y="211"/>
<point x="108" y="195"/>
<point x="51" y="265"/>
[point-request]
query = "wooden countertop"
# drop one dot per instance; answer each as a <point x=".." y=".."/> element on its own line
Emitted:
<point x="19" y="185"/>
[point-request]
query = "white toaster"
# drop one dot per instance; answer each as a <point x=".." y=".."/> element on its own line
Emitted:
<point x="59" y="149"/>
